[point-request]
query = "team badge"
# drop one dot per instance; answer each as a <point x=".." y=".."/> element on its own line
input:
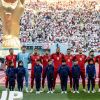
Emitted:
<point x="68" y="60"/>
<point x="57" y="58"/>
<point x="80" y="59"/>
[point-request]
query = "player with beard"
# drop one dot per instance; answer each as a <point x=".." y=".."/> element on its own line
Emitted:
<point x="69" y="61"/>
<point x="81" y="58"/>
<point x="57" y="60"/>
<point x="34" y="57"/>
<point x="45" y="59"/>
<point x="10" y="58"/>
<point x="92" y="56"/>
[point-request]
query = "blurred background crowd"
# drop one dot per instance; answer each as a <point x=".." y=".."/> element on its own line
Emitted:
<point x="73" y="22"/>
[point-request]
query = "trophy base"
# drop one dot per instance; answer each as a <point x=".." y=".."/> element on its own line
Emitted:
<point x="11" y="42"/>
<point x="4" y="52"/>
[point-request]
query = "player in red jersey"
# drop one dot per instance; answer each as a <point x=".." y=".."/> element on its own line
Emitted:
<point x="10" y="58"/>
<point x="45" y="59"/>
<point x="57" y="60"/>
<point x="81" y="58"/>
<point x="34" y="57"/>
<point x="91" y="56"/>
<point x="69" y="61"/>
<point x="98" y="61"/>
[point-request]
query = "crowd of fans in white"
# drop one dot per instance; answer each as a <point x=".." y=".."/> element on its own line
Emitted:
<point x="77" y="24"/>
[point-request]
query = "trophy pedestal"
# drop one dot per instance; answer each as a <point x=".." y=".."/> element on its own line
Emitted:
<point x="10" y="41"/>
<point x="5" y="51"/>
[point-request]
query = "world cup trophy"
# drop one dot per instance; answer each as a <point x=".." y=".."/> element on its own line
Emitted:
<point x="10" y="13"/>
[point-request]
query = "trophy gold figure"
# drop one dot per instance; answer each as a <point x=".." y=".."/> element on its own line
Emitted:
<point x="10" y="13"/>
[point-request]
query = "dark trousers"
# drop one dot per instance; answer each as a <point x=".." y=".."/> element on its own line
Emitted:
<point x="91" y="82"/>
<point x="50" y="80"/>
<point x="55" y="77"/>
<point x="32" y="77"/>
<point x="20" y="85"/>
<point x="38" y="83"/>
<point x="75" y="84"/>
<point x="82" y="74"/>
<point x="11" y="85"/>
<point x="70" y="77"/>
<point x="63" y="83"/>
<point x="43" y="78"/>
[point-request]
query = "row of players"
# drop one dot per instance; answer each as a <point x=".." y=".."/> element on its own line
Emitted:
<point x="63" y="72"/>
<point x="57" y="58"/>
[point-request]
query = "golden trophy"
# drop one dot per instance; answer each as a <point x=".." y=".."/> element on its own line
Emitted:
<point x="10" y="13"/>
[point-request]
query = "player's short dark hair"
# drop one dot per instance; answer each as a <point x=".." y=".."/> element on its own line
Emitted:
<point x="19" y="62"/>
<point x="49" y="60"/>
<point x="35" y="48"/>
<point x="91" y="51"/>
<point x="58" y="48"/>
<point x="10" y="49"/>
<point x="75" y="60"/>
<point x="23" y="46"/>
<point x="68" y="49"/>
<point x="38" y="60"/>
<point x="90" y="60"/>
<point x="47" y="49"/>
<point x="63" y="60"/>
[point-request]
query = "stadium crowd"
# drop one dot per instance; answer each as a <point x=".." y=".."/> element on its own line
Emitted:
<point x="73" y="23"/>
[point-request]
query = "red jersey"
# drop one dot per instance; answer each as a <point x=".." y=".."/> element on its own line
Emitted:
<point x="45" y="59"/>
<point x="69" y="60"/>
<point x="81" y="58"/>
<point x="12" y="58"/>
<point x="98" y="60"/>
<point x="34" y="59"/>
<point x="57" y="58"/>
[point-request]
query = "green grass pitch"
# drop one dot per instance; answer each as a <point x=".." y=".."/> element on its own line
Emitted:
<point x="58" y="96"/>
